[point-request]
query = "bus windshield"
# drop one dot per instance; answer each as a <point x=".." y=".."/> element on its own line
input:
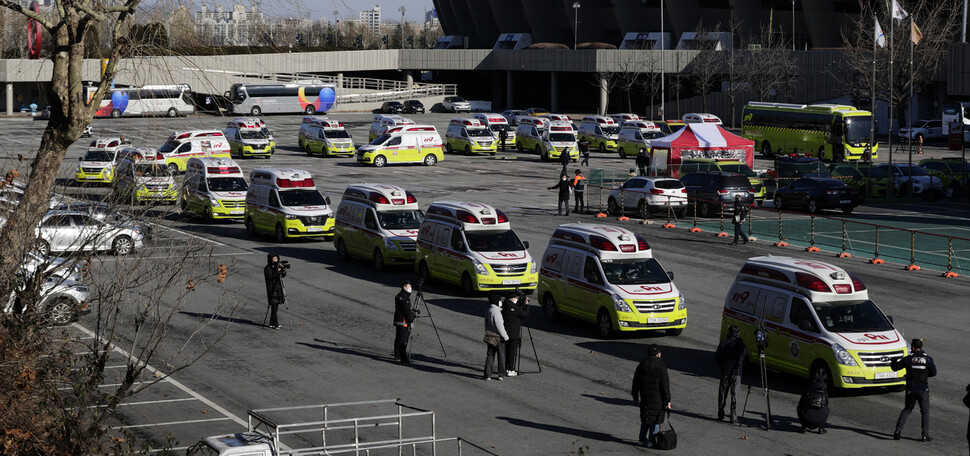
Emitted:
<point x="634" y="272"/>
<point x="252" y="134"/>
<point x="336" y="134"/>
<point x="302" y="198"/>
<point x="857" y="129"/>
<point x="493" y="241"/>
<point x="400" y="220"/>
<point x="852" y="317"/>
<point x="97" y="156"/>
<point x="227" y="184"/>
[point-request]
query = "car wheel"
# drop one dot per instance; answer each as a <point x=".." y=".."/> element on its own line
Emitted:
<point x="378" y="260"/>
<point x="115" y="113"/>
<point x="468" y="150"/>
<point x="448" y="149"/>
<point x="847" y="210"/>
<point x="549" y="307"/>
<point x="765" y="149"/>
<point x="184" y="207"/>
<point x="518" y="146"/>
<point x="122" y="245"/>
<point x="255" y="111"/>
<point x="706" y="210"/>
<point x="612" y="207"/>
<point x="820" y="373"/>
<point x="812" y="206"/>
<point x="622" y="153"/>
<point x="173" y="168"/>
<point x="424" y="274"/>
<point x="61" y="311"/>
<point x="602" y="148"/>
<point x="341" y="250"/>
<point x="604" y="324"/>
<point x="280" y="236"/>
<point x="250" y="227"/>
<point x="674" y="332"/>
<point x="643" y="209"/>
<point x="43" y="247"/>
<point x="467" y="286"/>
<point x="540" y="154"/>
<point x="430" y="160"/>
<point x="309" y="109"/>
<point x="380" y="161"/>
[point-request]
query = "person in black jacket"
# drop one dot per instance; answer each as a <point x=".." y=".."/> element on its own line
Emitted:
<point x="564" y="160"/>
<point x="651" y="389"/>
<point x="643" y="161"/>
<point x="740" y="214"/>
<point x="502" y="137"/>
<point x="730" y="357"/>
<point x="403" y="319"/>
<point x="563" y="185"/>
<point x="514" y="310"/>
<point x="273" y="273"/>
<point x="813" y="408"/>
<point x="919" y="368"/>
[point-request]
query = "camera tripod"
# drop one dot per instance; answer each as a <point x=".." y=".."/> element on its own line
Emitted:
<point x="518" y="360"/>
<point x="764" y="381"/>
<point x="418" y="300"/>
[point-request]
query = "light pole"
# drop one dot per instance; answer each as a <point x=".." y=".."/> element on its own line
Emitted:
<point x="402" y="9"/>
<point x="663" y="47"/>
<point x="793" y="25"/>
<point x="575" y="24"/>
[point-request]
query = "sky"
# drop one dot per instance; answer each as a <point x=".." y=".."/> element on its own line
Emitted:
<point x="349" y="9"/>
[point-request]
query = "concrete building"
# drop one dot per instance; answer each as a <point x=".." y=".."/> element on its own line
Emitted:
<point x="431" y="19"/>
<point x="372" y="19"/>
<point x="235" y="27"/>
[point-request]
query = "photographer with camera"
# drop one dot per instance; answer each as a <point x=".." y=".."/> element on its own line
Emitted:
<point x="730" y="356"/>
<point x="514" y="311"/>
<point x="403" y="319"/>
<point x="274" y="272"/>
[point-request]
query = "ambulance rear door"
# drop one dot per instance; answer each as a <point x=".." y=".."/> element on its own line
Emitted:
<point x="773" y="317"/>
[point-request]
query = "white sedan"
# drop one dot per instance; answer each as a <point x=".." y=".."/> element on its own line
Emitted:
<point x="646" y="195"/>
<point x="74" y="231"/>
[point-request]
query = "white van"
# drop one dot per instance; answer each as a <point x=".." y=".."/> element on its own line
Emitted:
<point x="817" y="320"/>
<point x="497" y="123"/>
<point x="381" y="122"/>
<point x="403" y="144"/>
<point x="636" y="134"/>
<point x="703" y="117"/>
<point x="623" y="117"/>
<point x="326" y="136"/>
<point x="600" y="131"/>
<point x="286" y="203"/>
<point x="181" y="146"/>
<point x="557" y="140"/>
<point x="607" y="275"/>
<point x="98" y="164"/>
<point x="141" y="176"/>
<point x="214" y="188"/>
<point x="247" y="138"/>
<point x="472" y="245"/>
<point x="379" y="222"/>
<point x="469" y="136"/>
<point x="529" y="132"/>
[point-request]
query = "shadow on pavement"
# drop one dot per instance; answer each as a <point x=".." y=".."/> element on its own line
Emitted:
<point x="208" y="316"/>
<point x="579" y="433"/>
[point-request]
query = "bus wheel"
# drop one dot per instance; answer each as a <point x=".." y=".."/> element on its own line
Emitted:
<point x="430" y="160"/>
<point x="765" y="149"/>
<point x="172" y="112"/>
<point x="380" y="161"/>
<point x="604" y="324"/>
<point x="115" y="113"/>
<point x="309" y="110"/>
<point x="255" y="111"/>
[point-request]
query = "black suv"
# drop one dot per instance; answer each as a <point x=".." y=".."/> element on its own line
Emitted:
<point x="714" y="191"/>
<point x="392" y="107"/>
<point x="413" y="106"/>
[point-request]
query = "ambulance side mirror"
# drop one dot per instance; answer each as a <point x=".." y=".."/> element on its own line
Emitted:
<point x="670" y="275"/>
<point x="525" y="244"/>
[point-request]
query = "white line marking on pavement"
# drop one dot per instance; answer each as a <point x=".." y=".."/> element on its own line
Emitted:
<point x="160" y="401"/>
<point x="171" y="423"/>
<point x="190" y="234"/>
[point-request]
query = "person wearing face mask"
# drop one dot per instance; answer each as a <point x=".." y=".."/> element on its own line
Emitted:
<point x="564" y="186"/>
<point x="403" y="319"/>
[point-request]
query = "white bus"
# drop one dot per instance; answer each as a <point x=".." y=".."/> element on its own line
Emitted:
<point x="255" y="99"/>
<point x="150" y="100"/>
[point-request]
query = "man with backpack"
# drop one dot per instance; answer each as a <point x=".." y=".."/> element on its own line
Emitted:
<point x="579" y="189"/>
<point x="813" y="408"/>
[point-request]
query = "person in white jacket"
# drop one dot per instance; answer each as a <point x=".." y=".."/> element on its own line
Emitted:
<point x="495" y="337"/>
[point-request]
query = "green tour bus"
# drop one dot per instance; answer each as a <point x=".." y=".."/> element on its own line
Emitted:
<point x="827" y="131"/>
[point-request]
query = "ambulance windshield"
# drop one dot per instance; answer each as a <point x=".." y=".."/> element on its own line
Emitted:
<point x="400" y="220"/>
<point x="493" y="241"/>
<point x="227" y="184"/>
<point x="852" y="317"/>
<point x="634" y="272"/>
<point x="302" y="198"/>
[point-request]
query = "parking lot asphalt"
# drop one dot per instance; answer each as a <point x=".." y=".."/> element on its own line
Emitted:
<point x="336" y="342"/>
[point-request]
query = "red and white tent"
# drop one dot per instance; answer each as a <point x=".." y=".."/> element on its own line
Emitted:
<point x="698" y="140"/>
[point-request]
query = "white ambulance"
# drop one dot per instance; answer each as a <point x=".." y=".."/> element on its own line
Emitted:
<point x="381" y="122"/>
<point x="214" y="188"/>
<point x="529" y="133"/>
<point x="285" y="202"/>
<point x="468" y="135"/>
<point x="607" y="275"/>
<point x="496" y="123"/>
<point x="247" y="138"/>
<point x="98" y="164"/>
<point x="403" y="144"/>
<point x="325" y="136"/>
<point x="183" y="145"/>
<point x="817" y="322"/>
<point x="636" y="134"/>
<point x="600" y="131"/>
<point x="701" y="117"/>
<point x="142" y="177"/>
<point x="472" y="245"/>
<point x="557" y="140"/>
<point x="623" y="117"/>
<point x="379" y="222"/>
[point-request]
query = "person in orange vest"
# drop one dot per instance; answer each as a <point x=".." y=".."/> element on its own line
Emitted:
<point x="579" y="189"/>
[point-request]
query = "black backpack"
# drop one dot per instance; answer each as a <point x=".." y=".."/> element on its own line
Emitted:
<point x="816" y="399"/>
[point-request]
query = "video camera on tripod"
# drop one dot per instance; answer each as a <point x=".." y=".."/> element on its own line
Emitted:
<point x="282" y="264"/>
<point x="761" y="339"/>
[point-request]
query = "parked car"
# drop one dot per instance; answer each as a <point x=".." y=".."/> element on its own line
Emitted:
<point x="922" y="130"/>
<point x="413" y="106"/>
<point x="649" y="195"/>
<point x="536" y="112"/>
<point x="456" y="104"/>
<point x="512" y="116"/>
<point x="952" y="171"/>
<point x="816" y="193"/>
<point x="108" y="214"/>
<point x="392" y="107"/>
<point x="913" y="180"/>
<point x="714" y="191"/>
<point x="61" y="301"/>
<point x="74" y="231"/>
<point x="856" y="175"/>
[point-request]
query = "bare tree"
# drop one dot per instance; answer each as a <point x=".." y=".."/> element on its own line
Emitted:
<point x="705" y="68"/>
<point x="770" y="66"/>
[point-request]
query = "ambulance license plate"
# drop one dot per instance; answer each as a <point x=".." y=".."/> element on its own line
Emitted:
<point x="880" y="375"/>
<point x="314" y="229"/>
<point x="845" y="201"/>
<point x="236" y="212"/>
<point x="511" y="282"/>
<point x="657" y="320"/>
